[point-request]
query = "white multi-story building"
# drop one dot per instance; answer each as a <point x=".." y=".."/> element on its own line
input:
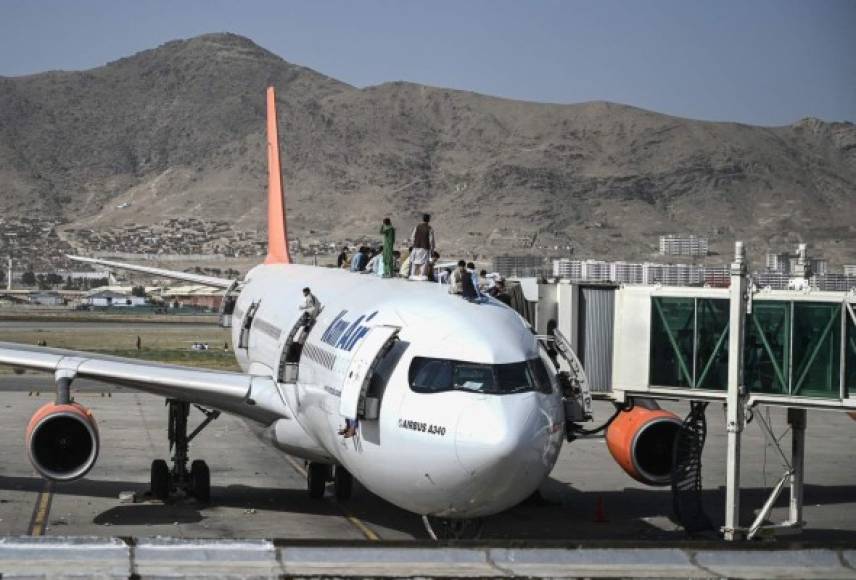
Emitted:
<point x="672" y="274"/>
<point x="625" y="273"/>
<point x="595" y="271"/>
<point x="850" y="270"/>
<point x="567" y="269"/>
<point x="717" y="276"/>
<point x="683" y="245"/>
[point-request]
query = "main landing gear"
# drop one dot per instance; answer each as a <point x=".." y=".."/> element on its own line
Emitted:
<point x="318" y="474"/>
<point x="196" y="481"/>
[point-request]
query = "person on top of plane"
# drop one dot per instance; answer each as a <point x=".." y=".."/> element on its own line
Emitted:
<point x="388" y="233"/>
<point x="462" y="282"/>
<point x="429" y="268"/>
<point x="310" y="306"/>
<point x="360" y="259"/>
<point x="422" y="238"/>
<point x="404" y="270"/>
<point x="375" y="264"/>
<point x="471" y="268"/>
<point x="342" y="258"/>
<point x="485" y="283"/>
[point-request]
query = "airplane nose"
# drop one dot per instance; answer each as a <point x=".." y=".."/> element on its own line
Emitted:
<point x="507" y="445"/>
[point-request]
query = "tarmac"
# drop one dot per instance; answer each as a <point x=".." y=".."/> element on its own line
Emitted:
<point x="259" y="494"/>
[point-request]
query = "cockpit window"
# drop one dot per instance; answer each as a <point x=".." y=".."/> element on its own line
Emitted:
<point x="432" y="375"/>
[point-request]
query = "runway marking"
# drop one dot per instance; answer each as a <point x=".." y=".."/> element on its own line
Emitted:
<point x="41" y="510"/>
<point x="352" y="519"/>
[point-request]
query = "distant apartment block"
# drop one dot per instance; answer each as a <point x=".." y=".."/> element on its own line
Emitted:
<point x="850" y="270"/>
<point x="672" y="274"/>
<point x="834" y="282"/>
<point x="567" y="269"/>
<point x="632" y="273"/>
<point x="819" y="266"/>
<point x="771" y="279"/>
<point x="717" y="276"/>
<point x="683" y="245"/>
<point x="779" y="262"/>
<point x="521" y="266"/>
<point x="626" y="273"/>
<point x="786" y="263"/>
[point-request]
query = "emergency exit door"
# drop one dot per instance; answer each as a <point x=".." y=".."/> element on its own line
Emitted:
<point x="369" y="353"/>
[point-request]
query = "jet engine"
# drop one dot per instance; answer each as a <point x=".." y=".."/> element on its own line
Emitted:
<point x="62" y="441"/>
<point x="642" y="440"/>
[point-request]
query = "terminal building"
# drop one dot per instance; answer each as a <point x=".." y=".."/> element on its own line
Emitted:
<point x="683" y="245"/>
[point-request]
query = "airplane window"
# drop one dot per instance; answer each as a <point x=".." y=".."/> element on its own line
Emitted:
<point x="473" y="377"/>
<point x="436" y="375"/>
<point x="542" y="377"/>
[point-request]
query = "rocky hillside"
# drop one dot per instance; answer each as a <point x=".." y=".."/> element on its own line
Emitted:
<point x="178" y="131"/>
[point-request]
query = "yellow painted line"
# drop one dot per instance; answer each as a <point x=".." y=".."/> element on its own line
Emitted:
<point x="358" y="523"/>
<point x="41" y="511"/>
<point x="354" y="520"/>
<point x="296" y="465"/>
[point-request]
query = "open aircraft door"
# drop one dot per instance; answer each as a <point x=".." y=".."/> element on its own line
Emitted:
<point x="353" y="402"/>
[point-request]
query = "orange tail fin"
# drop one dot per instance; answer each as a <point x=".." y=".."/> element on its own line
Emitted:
<point x="277" y="234"/>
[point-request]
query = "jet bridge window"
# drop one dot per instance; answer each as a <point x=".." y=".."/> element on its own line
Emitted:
<point x="794" y="348"/>
<point x="430" y="375"/>
<point x="689" y="342"/>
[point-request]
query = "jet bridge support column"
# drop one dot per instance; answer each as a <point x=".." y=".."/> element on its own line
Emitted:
<point x="797" y="420"/>
<point x="736" y="396"/>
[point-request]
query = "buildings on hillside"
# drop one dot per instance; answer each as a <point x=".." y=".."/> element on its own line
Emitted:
<point x="683" y="245"/>
<point x="630" y="273"/>
<point x="786" y="263"/>
<point x="520" y="266"/>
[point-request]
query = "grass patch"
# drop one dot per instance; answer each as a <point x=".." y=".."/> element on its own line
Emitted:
<point x="165" y="343"/>
<point x="209" y="359"/>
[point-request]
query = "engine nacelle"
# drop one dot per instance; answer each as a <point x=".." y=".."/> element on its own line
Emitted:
<point x="62" y="441"/>
<point x="642" y="440"/>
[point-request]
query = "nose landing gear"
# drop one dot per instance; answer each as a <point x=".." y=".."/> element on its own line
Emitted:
<point x="318" y="474"/>
<point x="194" y="482"/>
<point x="453" y="529"/>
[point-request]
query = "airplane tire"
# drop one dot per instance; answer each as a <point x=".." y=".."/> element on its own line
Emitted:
<point x="317" y="475"/>
<point x="343" y="483"/>
<point x="200" y="481"/>
<point x="160" y="479"/>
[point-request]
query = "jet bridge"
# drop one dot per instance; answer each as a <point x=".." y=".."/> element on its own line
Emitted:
<point x="741" y="346"/>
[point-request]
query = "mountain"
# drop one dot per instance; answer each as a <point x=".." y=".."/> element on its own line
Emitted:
<point x="178" y="131"/>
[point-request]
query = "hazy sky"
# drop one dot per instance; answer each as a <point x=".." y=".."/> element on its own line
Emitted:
<point x="754" y="61"/>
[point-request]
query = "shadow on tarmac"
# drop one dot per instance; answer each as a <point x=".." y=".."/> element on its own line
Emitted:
<point x="565" y="514"/>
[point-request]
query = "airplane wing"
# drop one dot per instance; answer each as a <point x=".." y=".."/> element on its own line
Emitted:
<point x="212" y="281"/>
<point x="250" y="396"/>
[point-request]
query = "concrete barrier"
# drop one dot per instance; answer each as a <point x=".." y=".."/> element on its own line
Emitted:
<point x="89" y="557"/>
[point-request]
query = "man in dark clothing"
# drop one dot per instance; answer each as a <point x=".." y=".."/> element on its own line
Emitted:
<point x="342" y="258"/>
<point x="462" y="282"/>
<point x="422" y="238"/>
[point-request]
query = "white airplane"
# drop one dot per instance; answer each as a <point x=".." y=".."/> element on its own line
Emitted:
<point x="454" y="410"/>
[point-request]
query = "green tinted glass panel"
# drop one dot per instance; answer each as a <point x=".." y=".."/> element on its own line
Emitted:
<point x="672" y="336"/>
<point x="712" y="344"/>
<point x="817" y="350"/>
<point x="766" y="353"/>
<point x="850" y="355"/>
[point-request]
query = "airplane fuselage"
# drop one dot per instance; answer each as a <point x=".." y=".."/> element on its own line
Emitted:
<point x="433" y="446"/>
